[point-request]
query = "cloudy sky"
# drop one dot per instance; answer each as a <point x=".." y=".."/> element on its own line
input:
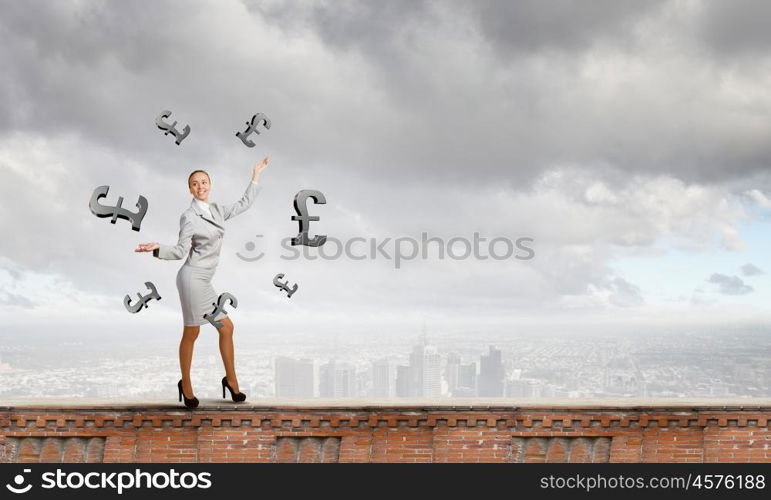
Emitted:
<point x="630" y="140"/>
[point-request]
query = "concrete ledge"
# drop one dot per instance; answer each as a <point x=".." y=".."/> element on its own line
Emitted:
<point x="763" y="404"/>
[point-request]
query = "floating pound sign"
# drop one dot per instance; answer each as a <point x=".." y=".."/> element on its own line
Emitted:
<point x="171" y="128"/>
<point x="143" y="299"/>
<point x="284" y="285"/>
<point x="251" y="126"/>
<point x="301" y="207"/>
<point x="117" y="212"/>
<point x="220" y="307"/>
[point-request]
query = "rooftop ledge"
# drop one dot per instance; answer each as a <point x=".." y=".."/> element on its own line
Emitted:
<point x="401" y="404"/>
<point x="387" y="430"/>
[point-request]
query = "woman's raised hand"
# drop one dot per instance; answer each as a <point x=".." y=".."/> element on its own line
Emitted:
<point x="147" y="247"/>
<point x="258" y="168"/>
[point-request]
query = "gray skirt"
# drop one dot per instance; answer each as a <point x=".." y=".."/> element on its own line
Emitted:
<point x="196" y="294"/>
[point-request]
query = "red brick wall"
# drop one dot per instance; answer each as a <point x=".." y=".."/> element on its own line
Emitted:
<point x="435" y="434"/>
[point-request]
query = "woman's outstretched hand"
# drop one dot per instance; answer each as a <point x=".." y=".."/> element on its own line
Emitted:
<point x="258" y="168"/>
<point x="147" y="247"/>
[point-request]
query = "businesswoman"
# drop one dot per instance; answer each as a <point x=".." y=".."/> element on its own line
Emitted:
<point x="201" y="228"/>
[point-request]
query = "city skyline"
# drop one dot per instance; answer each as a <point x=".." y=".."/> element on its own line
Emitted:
<point x="693" y="364"/>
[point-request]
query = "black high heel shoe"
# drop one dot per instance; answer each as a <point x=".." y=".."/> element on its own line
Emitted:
<point x="189" y="403"/>
<point x="237" y="398"/>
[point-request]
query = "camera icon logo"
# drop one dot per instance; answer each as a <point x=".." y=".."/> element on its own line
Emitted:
<point x="18" y="480"/>
<point x="250" y="246"/>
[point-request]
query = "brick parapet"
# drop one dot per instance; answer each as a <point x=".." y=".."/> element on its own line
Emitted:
<point x="428" y="433"/>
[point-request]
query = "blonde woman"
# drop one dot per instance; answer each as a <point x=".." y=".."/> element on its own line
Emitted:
<point x="201" y="228"/>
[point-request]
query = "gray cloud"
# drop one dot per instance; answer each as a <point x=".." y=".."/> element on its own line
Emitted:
<point x="529" y="26"/>
<point x="13" y="271"/>
<point x="750" y="269"/>
<point x="730" y="285"/>
<point x="12" y="299"/>
<point x="735" y="27"/>
<point x="591" y="128"/>
<point x="520" y="28"/>
<point x="427" y="91"/>
<point x="624" y="294"/>
<point x="609" y="84"/>
<point x="368" y="25"/>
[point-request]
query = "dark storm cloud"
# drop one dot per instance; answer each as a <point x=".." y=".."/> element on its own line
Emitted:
<point x="440" y="92"/>
<point x="522" y="26"/>
<point x="735" y="27"/>
<point x="526" y="27"/>
<point x="91" y="32"/>
<point x="368" y="25"/>
<point x="730" y="285"/>
<point x="78" y="68"/>
<point x="528" y="103"/>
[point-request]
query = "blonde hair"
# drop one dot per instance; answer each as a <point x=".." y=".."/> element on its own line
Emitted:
<point x="197" y="172"/>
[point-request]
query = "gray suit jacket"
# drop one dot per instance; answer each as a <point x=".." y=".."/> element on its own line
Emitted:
<point x="200" y="237"/>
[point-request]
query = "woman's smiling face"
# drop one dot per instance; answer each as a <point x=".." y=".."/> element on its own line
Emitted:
<point x="200" y="186"/>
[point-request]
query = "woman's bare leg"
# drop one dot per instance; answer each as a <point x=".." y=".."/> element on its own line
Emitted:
<point x="227" y="352"/>
<point x="189" y="335"/>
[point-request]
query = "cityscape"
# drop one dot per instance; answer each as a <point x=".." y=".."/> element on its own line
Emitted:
<point x="682" y="365"/>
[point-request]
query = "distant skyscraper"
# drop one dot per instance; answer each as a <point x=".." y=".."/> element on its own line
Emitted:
<point x="432" y="377"/>
<point x="294" y="378"/>
<point x="381" y="379"/>
<point x="403" y="379"/>
<point x="337" y="380"/>
<point x="327" y="380"/>
<point x="416" y="372"/>
<point x="304" y="378"/>
<point x="345" y="381"/>
<point x="424" y="373"/>
<point x="452" y="372"/>
<point x="491" y="374"/>
<point x="284" y="378"/>
<point x="467" y="380"/>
